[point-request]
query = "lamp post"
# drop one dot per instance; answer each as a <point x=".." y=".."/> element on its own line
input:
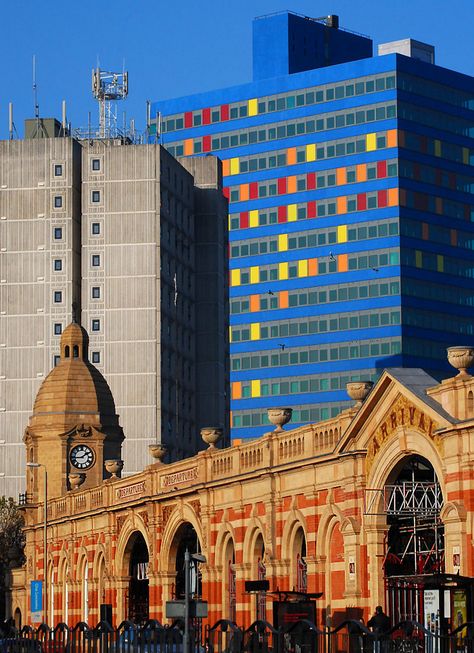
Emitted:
<point x="45" y="536"/>
<point x="197" y="557"/>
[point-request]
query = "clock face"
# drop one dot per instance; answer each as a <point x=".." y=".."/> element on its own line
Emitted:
<point x="81" y="456"/>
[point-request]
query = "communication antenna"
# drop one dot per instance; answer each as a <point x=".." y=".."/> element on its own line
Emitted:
<point x="107" y="88"/>
<point x="35" y="90"/>
<point x="11" y="125"/>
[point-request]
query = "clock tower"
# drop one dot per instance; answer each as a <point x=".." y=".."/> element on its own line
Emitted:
<point x="74" y="427"/>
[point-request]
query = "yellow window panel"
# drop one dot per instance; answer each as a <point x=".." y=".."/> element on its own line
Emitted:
<point x="283" y="270"/>
<point x="235" y="277"/>
<point x="254" y="274"/>
<point x="255" y="387"/>
<point x="371" y="142"/>
<point x="465" y="155"/>
<point x="283" y="242"/>
<point x="234" y="166"/>
<point x="253" y="107"/>
<point x="418" y="259"/>
<point x="303" y="268"/>
<point x="292" y="213"/>
<point x="230" y="334"/>
<point x="253" y="218"/>
<point x="342" y="233"/>
<point x="255" y="331"/>
<point x="440" y="262"/>
<point x="311" y="152"/>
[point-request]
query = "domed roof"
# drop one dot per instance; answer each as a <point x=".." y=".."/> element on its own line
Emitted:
<point x="74" y="387"/>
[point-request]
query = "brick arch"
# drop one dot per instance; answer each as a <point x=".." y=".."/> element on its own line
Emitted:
<point x="133" y="524"/>
<point x="225" y="533"/>
<point x="100" y="554"/>
<point x="294" y="521"/>
<point x="184" y="514"/>
<point x="255" y="528"/>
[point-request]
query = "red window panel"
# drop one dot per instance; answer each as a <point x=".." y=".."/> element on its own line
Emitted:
<point x="311" y="181"/>
<point x="244" y="220"/>
<point x="224" y="112"/>
<point x="282" y="214"/>
<point x="188" y="119"/>
<point x="361" y="202"/>
<point x="382" y="198"/>
<point x="282" y="186"/>
<point x="253" y="190"/>
<point x="381" y="169"/>
<point x="311" y="210"/>
<point x="226" y="192"/>
<point x="206" y="143"/>
<point x="206" y="116"/>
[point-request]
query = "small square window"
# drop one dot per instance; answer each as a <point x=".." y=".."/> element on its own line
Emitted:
<point x="56" y="360"/>
<point x="95" y="260"/>
<point x="58" y="201"/>
<point x="95" y="164"/>
<point x="58" y="233"/>
<point x="96" y="356"/>
<point x="95" y="325"/>
<point x="58" y="328"/>
<point x="58" y="170"/>
<point x="95" y="292"/>
<point x="58" y="296"/>
<point x="58" y="264"/>
<point x="95" y="228"/>
<point x="95" y="196"/>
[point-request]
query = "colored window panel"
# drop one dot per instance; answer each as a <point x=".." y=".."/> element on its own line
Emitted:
<point x="224" y="112"/>
<point x="437" y="147"/>
<point x="206" y="116"/>
<point x="253" y="218"/>
<point x="283" y="270"/>
<point x="361" y="172"/>
<point x="253" y="107"/>
<point x="292" y="212"/>
<point x="188" y="119"/>
<point x="254" y="303"/>
<point x="282" y="214"/>
<point x="291" y="156"/>
<point x="341" y="205"/>
<point x="303" y="268"/>
<point x="282" y="186"/>
<point x="311" y="209"/>
<point x="206" y="143"/>
<point x="254" y="274"/>
<point x="283" y="242"/>
<point x="226" y="167"/>
<point x="418" y="259"/>
<point x="342" y="233"/>
<point x="392" y="196"/>
<point x="392" y="138"/>
<point x="255" y="384"/>
<point x="311" y="152"/>
<point x="342" y="263"/>
<point x="465" y="155"/>
<point x="439" y="205"/>
<point x="340" y="176"/>
<point x="454" y="237"/>
<point x="253" y="190"/>
<point x="234" y="166"/>
<point x="255" y="331"/>
<point x="244" y="220"/>
<point x="291" y="185"/>
<point x="312" y="267"/>
<point x="235" y="277"/>
<point x="237" y="390"/>
<point x="188" y="147"/>
<point x="283" y="299"/>
<point x="310" y="181"/>
<point x="425" y="231"/>
<point x="230" y="334"/>
<point x="382" y="198"/>
<point x="381" y="169"/>
<point x="371" y="142"/>
<point x="226" y="192"/>
<point x="244" y="192"/>
<point x="361" y="202"/>
<point x="440" y="263"/>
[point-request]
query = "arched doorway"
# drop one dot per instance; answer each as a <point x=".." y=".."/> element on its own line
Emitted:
<point x="414" y="544"/>
<point x="186" y="539"/>
<point x="229" y="581"/>
<point x="137" y="603"/>
<point x="298" y="562"/>
<point x="260" y="573"/>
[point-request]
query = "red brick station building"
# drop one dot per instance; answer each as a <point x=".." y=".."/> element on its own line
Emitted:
<point x="363" y="507"/>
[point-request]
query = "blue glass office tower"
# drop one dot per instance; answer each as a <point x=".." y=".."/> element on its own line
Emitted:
<point x="350" y="213"/>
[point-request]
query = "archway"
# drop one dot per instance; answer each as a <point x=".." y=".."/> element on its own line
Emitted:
<point x="298" y="562"/>
<point x="184" y="539"/>
<point x="17" y="618"/>
<point x="229" y="581"/>
<point x="260" y="573"/>
<point x="138" y="558"/>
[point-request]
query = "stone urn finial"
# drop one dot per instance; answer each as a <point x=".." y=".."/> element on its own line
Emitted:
<point x="279" y="417"/>
<point x="462" y="358"/>
<point x="76" y="479"/>
<point x="211" y="435"/>
<point x="114" y="466"/>
<point x="158" y="451"/>
<point x="358" y="390"/>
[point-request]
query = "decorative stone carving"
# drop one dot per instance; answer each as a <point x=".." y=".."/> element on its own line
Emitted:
<point x="461" y="358"/>
<point x="211" y="435"/>
<point x="76" y="480"/>
<point x="279" y="417"/>
<point x="158" y="451"/>
<point x="358" y="391"/>
<point x="114" y="466"/>
<point x="121" y="519"/>
<point x="166" y="513"/>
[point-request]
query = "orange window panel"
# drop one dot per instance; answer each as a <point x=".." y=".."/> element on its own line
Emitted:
<point x="283" y="297"/>
<point x="225" y="167"/>
<point x="312" y="267"/>
<point x="361" y="172"/>
<point x="340" y="176"/>
<point x="291" y="156"/>
<point x="188" y="147"/>
<point x="244" y="192"/>
<point x="393" y="197"/>
<point x="392" y="138"/>
<point x="237" y="390"/>
<point x="454" y="237"/>
<point x="254" y="303"/>
<point x="291" y="185"/>
<point x="342" y="204"/>
<point x="342" y="264"/>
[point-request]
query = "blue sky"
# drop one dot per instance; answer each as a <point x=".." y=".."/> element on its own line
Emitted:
<point x="182" y="47"/>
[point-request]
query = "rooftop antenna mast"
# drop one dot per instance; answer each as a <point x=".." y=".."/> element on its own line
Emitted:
<point x="107" y="88"/>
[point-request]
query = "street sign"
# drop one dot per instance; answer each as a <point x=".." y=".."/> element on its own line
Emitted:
<point x="36" y="601"/>
<point x="175" y="609"/>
